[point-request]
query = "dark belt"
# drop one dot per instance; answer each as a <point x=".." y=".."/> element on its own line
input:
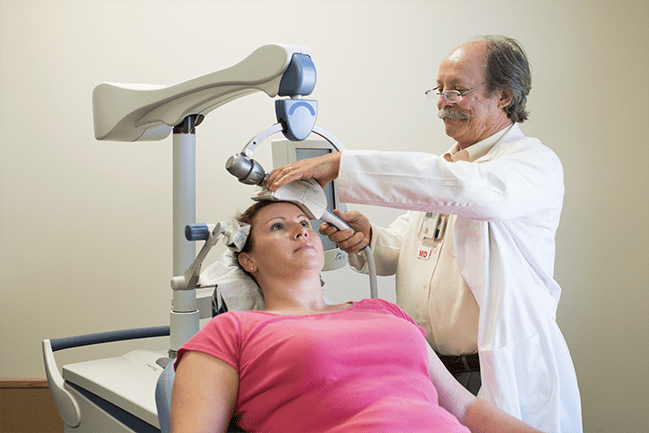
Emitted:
<point x="461" y="364"/>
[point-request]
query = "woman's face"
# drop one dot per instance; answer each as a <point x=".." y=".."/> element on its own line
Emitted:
<point x="284" y="244"/>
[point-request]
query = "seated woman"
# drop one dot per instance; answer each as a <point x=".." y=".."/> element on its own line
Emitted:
<point x="306" y="366"/>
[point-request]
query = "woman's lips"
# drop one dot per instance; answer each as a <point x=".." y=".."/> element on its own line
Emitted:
<point x="304" y="246"/>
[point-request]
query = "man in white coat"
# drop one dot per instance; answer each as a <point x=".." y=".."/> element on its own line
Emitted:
<point x="474" y="254"/>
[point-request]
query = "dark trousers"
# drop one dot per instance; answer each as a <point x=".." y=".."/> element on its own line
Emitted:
<point x="470" y="380"/>
<point x="465" y="369"/>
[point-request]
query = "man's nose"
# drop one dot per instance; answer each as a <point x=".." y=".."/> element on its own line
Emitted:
<point x="442" y="102"/>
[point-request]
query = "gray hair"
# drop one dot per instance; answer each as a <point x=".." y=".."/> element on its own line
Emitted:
<point x="507" y="69"/>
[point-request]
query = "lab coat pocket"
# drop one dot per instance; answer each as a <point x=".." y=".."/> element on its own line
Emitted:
<point x="522" y="376"/>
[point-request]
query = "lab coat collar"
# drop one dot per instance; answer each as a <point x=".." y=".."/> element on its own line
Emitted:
<point x="479" y="149"/>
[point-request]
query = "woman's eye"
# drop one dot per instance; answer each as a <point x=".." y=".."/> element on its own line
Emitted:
<point x="277" y="226"/>
<point x="306" y="224"/>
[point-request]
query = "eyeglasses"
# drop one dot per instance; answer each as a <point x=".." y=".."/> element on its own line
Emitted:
<point x="451" y="96"/>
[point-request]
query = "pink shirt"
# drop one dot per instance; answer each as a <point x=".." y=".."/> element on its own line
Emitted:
<point x="363" y="369"/>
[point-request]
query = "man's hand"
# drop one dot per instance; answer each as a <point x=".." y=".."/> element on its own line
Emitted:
<point x="347" y="240"/>
<point x="322" y="168"/>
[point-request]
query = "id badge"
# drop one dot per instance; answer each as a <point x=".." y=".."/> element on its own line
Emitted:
<point x="428" y="226"/>
<point x="433" y="226"/>
<point x="427" y="235"/>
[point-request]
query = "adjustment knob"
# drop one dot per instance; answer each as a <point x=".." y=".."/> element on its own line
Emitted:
<point x="197" y="232"/>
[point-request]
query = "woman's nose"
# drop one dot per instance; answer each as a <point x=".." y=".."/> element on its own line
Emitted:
<point x="301" y="231"/>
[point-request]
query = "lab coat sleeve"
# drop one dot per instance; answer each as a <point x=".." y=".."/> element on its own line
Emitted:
<point x="513" y="180"/>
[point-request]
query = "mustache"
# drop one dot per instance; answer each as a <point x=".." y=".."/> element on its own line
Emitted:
<point x="446" y="113"/>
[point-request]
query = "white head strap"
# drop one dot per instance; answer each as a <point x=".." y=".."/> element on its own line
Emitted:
<point x="236" y="235"/>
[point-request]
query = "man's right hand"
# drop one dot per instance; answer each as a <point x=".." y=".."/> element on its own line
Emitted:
<point x="323" y="168"/>
<point x="347" y="240"/>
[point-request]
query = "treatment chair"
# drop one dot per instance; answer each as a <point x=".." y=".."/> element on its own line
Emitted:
<point x="163" y="397"/>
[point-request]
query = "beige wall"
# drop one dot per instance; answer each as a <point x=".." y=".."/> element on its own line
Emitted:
<point x="86" y="244"/>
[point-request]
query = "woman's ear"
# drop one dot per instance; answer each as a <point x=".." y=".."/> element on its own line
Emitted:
<point x="246" y="262"/>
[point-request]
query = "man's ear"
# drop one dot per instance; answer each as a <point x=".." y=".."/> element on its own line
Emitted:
<point x="505" y="99"/>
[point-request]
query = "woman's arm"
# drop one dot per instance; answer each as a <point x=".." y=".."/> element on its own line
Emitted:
<point x="477" y="414"/>
<point x="204" y="394"/>
<point x="452" y="396"/>
<point x="482" y="416"/>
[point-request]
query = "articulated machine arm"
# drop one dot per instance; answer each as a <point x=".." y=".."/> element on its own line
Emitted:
<point x="148" y="112"/>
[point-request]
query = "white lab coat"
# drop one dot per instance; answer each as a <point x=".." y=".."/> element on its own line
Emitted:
<point x="508" y="204"/>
